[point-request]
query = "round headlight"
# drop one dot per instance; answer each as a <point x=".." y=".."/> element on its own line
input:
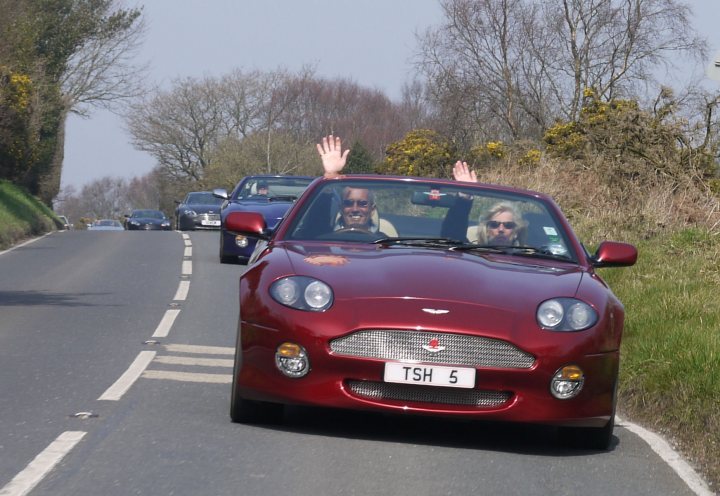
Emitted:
<point x="317" y="295"/>
<point x="567" y="382"/>
<point x="580" y="316"/>
<point x="285" y="291"/>
<point x="241" y="241"/>
<point x="302" y="293"/>
<point x="566" y="314"/>
<point x="550" y="313"/>
<point x="292" y="360"/>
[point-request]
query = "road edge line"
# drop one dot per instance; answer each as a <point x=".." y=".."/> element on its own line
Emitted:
<point x="663" y="449"/>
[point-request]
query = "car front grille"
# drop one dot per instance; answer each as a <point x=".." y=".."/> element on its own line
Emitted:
<point x="457" y="349"/>
<point x="208" y="217"/>
<point x="428" y="394"/>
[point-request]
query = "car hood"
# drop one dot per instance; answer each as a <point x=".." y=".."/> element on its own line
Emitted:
<point x="402" y="273"/>
<point x="147" y="220"/>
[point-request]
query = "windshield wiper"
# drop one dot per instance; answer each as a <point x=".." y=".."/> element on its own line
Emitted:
<point x="525" y="251"/>
<point x="423" y="242"/>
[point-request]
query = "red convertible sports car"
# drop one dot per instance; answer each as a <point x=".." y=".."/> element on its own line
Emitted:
<point x="429" y="296"/>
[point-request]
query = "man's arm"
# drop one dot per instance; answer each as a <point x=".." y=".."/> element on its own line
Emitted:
<point x="332" y="156"/>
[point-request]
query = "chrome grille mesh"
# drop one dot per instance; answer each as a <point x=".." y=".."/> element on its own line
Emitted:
<point x="428" y="394"/>
<point x="460" y="349"/>
<point x="209" y="216"/>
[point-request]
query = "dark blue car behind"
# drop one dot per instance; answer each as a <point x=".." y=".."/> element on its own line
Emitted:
<point x="269" y="195"/>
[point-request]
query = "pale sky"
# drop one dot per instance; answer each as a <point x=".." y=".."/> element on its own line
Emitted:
<point x="368" y="41"/>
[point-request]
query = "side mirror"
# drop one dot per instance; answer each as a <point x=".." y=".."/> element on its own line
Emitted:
<point x="614" y="254"/>
<point x="247" y="223"/>
<point x="220" y="193"/>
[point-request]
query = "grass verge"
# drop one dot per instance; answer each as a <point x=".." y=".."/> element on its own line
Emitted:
<point x="22" y="215"/>
<point x="670" y="366"/>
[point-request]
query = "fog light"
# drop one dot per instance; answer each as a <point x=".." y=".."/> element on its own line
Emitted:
<point x="241" y="241"/>
<point x="567" y="382"/>
<point x="291" y="359"/>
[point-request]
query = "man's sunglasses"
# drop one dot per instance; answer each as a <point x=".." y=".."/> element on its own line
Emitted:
<point x="359" y="203"/>
<point x="493" y="224"/>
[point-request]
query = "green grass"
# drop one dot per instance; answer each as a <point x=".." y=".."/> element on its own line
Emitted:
<point x="22" y="215"/>
<point x="670" y="372"/>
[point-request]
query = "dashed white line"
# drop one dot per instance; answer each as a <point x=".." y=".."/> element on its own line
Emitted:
<point x="25" y="481"/>
<point x="182" y="291"/>
<point x="187" y="267"/>
<point x="188" y="252"/>
<point x="670" y="456"/>
<point x="25" y="243"/>
<point x="206" y="350"/>
<point x="203" y="362"/>
<point x="117" y="390"/>
<point x="188" y="376"/>
<point x="163" y="328"/>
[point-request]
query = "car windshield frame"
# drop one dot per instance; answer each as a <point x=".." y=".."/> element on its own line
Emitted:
<point x="202" y="198"/>
<point x="418" y="210"/>
<point x="148" y="214"/>
<point x="280" y="187"/>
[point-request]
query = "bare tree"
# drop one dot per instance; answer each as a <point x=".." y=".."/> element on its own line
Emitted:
<point x="508" y="68"/>
<point x="102" y="72"/>
<point x="179" y="127"/>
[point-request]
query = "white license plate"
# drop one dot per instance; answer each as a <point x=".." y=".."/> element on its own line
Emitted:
<point x="429" y="375"/>
<point x="210" y="222"/>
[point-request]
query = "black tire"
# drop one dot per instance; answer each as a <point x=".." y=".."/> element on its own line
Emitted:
<point x="224" y="259"/>
<point x="593" y="438"/>
<point x="248" y="411"/>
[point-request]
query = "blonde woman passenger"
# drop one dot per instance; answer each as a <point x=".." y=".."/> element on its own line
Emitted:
<point x="500" y="225"/>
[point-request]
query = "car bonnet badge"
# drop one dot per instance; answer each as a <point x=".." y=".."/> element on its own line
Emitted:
<point x="433" y="346"/>
<point x="435" y="311"/>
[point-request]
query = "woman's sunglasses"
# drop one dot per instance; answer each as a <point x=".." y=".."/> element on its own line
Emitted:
<point x="493" y="224"/>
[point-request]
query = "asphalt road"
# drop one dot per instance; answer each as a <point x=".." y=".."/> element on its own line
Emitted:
<point x="78" y="308"/>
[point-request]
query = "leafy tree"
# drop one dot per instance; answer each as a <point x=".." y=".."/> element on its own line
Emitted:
<point x="75" y="54"/>
<point x="634" y="143"/>
<point x="421" y="152"/>
<point x="359" y="160"/>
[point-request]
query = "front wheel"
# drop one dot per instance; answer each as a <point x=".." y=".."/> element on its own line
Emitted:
<point x="595" y="438"/>
<point x="248" y="411"/>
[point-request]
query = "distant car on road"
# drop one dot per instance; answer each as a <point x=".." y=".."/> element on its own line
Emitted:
<point x="147" y="220"/>
<point x="199" y="210"/>
<point x="65" y="222"/>
<point x="106" y="225"/>
<point x="271" y="196"/>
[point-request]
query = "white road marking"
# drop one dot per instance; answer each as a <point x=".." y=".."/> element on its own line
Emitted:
<point x="182" y="291"/>
<point x="207" y="350"/>
<point x="187" y="267"/>
<point x="25" y="481"/>
<point x="25" y="243"/>
<point x="188" y="376"/>
<point x="163" y="328"/>
<point x="117" y="390"/>
<point x="188" y="252"/>
<point x="202" y="362"/>
<point x="670" y="456"/>
<point x="187" y="241"/>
